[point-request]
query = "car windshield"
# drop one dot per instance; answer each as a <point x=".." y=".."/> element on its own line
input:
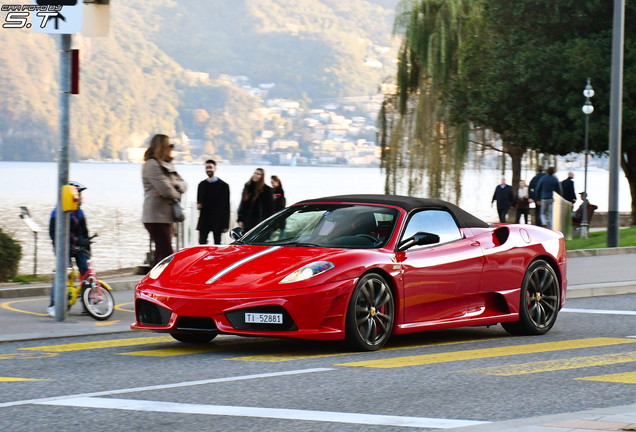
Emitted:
<point x="327" y="225"/>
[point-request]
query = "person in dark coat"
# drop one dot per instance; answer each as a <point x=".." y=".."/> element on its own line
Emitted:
<point x="568" y="188"/>
<point x="213" y="199"/>
<point x="257" y="201"/>
<point x="532" y="187"/>
<point x="505" y="197"/>
<point x="544" y="193"/>
<point x="279" y="194"/>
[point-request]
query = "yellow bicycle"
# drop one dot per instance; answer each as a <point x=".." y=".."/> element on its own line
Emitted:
<point x="95" y="293"/>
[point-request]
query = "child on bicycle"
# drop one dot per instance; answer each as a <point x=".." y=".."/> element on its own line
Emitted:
<point x="78" y="238"/>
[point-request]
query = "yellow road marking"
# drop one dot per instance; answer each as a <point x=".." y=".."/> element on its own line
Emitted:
<point x="425" y="359"/>
<point x="121" y="307"/>
<point x="304" y="355"/>
<point x="170" y="352"/>
<point x="555" y="365"/>
<point x="81" y="346"/>
<point x="7" y="305"/>
<point x="625" y="378"/>
<point x="23" y="356"/>
<point x="105" y="323"/>
<point x="11" y="379"/>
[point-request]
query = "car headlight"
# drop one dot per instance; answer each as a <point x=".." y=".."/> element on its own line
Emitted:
<point x="158" y="269"/>
<point x="308" y="271"/>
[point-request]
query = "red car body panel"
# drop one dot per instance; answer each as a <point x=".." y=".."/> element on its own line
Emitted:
<point x="472" y="281"/>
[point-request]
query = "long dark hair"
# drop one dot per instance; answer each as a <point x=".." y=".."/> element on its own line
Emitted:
<point x="257" y="187"/>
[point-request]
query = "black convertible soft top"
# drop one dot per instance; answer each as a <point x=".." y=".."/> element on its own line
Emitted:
<point x="464" y="219"/>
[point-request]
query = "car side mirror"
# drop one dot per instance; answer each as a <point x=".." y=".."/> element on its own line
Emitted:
<point x="419" y="239"/>
<point x="236" y="233"/>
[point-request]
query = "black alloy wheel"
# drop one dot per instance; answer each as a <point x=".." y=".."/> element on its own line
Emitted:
<point x="193" y="338"/>
<point x="371" y="313"/>
<point x="539" y="302"/>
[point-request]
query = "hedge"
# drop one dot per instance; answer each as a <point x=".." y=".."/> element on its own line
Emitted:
<point x="10" y="255"/>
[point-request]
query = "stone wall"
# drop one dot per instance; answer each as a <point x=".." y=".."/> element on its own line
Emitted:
<point x="599" y="220"/>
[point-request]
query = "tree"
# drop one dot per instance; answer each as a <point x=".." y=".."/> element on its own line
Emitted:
<point x="524" y="66"/>
<point x="414" y="130"/>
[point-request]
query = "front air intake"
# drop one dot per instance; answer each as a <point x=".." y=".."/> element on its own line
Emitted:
<point x="152" y="314"/>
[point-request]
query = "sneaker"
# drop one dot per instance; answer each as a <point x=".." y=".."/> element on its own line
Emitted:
<point x="51" y="311"/>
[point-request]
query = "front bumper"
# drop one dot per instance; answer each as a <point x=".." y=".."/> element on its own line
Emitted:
<point x="317" y="312"/>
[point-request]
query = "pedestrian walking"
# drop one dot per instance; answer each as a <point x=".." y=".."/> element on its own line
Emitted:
<point x="522" y="203"/>
<point x="533" y="194"/>
<point x="505" y="197"/>
<point x="568" y="188"/>
<point x="257" y="201"/>
<point x="544" y="192"/>
<point x="213" y="201"/>
<point x="162" y="187"/>
<point x="279" y="194"/>
<point x="80" y="245"/>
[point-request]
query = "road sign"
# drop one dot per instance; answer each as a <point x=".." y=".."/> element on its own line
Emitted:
<point x="66" y="21"/>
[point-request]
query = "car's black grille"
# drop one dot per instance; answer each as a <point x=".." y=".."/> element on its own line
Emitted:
<point x="237" y="319"/>
<point x="152" y="314"/>
<point x="196" y="324"/>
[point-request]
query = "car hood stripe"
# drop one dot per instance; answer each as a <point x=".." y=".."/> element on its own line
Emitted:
<point x="241" y="262"/>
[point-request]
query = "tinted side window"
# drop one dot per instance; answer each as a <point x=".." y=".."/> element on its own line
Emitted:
<point x="435" y="222"/>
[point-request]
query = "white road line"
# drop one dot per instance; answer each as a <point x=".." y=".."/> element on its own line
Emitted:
<point x="165" y="386"/>
<point x="271" y="413"/>
<point x="599" y="311"/>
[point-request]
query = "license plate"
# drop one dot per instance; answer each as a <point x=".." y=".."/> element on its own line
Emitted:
<point x="264" y="318"/>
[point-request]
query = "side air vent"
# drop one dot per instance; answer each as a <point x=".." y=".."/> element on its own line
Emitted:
<point x="152" y="314"/>
<point x="203" y="324"/>
<point x="501" y="235"/>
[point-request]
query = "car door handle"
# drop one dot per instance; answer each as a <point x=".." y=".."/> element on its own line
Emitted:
<point x="475" y="243"/>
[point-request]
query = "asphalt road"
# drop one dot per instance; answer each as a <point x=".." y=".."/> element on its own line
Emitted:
<point x="446" y="379"/>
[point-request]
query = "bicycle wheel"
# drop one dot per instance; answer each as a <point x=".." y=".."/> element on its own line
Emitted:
<point x="99" y="308"/>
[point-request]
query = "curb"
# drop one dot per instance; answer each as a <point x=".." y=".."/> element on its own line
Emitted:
<point x="601" y="252"/>
<point x="59" y="334"/>
<point x="601" y="289"/>
<point x="36" y="290"/>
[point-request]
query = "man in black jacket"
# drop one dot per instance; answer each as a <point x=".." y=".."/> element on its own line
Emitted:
<point x="568" y="188"/>
<point x="213" y="199"/>
<point x="532" y="193"/>
<point x="505" y="197"/>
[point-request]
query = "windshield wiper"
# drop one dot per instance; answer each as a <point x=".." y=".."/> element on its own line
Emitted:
<point x="301" y="244"/>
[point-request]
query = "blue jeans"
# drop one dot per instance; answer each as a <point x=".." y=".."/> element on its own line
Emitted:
<point x="81" y="258"/>
<point x="546" y="212"/>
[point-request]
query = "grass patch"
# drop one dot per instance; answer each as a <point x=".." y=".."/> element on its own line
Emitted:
<point x="598" y="240"/>
<point x="25" y="279"/>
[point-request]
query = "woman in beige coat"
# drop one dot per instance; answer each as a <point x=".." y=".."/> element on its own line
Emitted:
<point x="162" y="185"/>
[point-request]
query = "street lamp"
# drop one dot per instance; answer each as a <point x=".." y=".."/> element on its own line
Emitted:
<point x="588" y="109"/>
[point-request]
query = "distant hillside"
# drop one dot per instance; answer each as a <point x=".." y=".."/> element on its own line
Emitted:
<point x="133" y="81"/>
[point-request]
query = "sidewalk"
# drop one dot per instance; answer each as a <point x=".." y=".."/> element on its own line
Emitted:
<point x="608" y="419"/>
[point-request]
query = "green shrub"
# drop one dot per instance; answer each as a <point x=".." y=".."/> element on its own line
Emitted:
<point x="10" y="255"/>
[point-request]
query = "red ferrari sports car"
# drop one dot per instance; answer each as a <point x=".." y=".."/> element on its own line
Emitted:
<point x="360" y="267"/>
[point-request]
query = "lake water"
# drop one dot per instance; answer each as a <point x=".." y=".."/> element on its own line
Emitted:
<point x="114" y="199"/>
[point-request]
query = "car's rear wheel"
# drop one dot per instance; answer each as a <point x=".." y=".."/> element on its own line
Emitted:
<point x="539" y="302"/>
<point x="193" y="338"/>
<point x="371" y="313"/>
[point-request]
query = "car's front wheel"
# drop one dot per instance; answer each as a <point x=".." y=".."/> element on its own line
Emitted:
<point x="371" y="313"/>
<point x="539" y="302"/>
<point x="193" y="338"/>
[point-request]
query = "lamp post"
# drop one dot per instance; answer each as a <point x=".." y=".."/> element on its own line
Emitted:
<point x="588" y="109"/>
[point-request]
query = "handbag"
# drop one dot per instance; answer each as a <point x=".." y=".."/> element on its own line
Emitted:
<point x="177" y="211"/>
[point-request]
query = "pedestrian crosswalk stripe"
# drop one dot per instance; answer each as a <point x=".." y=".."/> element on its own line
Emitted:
<point x="425" y="359"/>
<point x="624" y="378"/>
<point x="81" y="346"/>
<point x="305" y="355"/>
<point x="555" y="365"/>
